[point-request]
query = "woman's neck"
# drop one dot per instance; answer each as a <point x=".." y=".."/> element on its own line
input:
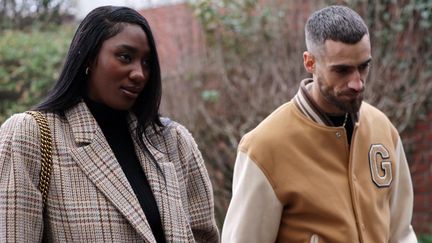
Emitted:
<point x="104" y="114"/>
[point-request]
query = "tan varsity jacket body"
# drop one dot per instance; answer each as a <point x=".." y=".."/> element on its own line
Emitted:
<point x="90" y="198"/>
<point x="297" y="180"/>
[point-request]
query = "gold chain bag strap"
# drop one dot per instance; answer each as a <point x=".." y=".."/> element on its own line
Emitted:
<point x="46" y="153"/>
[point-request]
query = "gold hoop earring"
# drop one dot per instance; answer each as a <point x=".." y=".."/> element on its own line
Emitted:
<point x="87" y="70"/>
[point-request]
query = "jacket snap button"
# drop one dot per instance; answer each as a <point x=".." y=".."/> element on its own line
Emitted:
<point x="338" y="135"/>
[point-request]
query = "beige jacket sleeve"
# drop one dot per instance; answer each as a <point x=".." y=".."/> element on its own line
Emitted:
<point x="254" y="212"/>
<point x="401" y="203"/>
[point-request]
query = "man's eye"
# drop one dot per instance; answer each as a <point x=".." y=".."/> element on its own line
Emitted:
<point x="342" y="70"/>
<point x="364" y="66"/>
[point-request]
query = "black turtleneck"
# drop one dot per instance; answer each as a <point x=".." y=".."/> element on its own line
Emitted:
<point x="115" y="127"/>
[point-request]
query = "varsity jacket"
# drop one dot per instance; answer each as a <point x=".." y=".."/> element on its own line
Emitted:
<point x="297" y="180"/>
<point x="90" y="198"/>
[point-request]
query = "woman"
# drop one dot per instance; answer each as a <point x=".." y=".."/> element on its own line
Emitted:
<point x="120" y="172"/>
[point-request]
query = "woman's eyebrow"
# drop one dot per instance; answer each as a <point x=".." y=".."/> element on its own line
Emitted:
<point x="127" y="47"/>
<point x="132" y="49"/>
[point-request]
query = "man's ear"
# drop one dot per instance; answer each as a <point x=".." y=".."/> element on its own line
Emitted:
<point x="309" y="62"/>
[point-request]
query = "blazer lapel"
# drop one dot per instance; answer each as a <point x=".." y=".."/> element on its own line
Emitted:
<point x="164" y="183"/>
<point x="98" y="162"/>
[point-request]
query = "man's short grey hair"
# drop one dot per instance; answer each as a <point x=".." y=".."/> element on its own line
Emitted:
<point x="337" y="23"/>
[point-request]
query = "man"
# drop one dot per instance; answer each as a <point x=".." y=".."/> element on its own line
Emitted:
<point x="326" y="166"/>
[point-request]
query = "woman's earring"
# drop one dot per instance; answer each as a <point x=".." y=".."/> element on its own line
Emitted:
<point x="87" y="70"/>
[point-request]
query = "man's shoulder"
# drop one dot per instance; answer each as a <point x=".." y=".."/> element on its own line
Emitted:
<point x="366" y="107"/>
<point x="375" y="119"/>
<point x="268" y="130"/>
<point x="368" y="111"/>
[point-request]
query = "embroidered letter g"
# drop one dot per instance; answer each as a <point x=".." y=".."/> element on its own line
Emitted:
<point x="380" y="166"/>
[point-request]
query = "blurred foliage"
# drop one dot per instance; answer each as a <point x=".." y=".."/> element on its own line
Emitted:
<point x="29" y="64"/>
<point x="426" y="239"/>
<point x="230" y="24"/>
<point x="249" y="69"/>
<point x="29" y="14"/>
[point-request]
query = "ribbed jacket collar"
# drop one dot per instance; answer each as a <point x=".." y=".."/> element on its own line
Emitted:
<point x="310" y="109"/>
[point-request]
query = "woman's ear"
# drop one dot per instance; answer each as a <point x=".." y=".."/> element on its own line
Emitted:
<point x="89" y="66"/>
<point x="309" y="62"/>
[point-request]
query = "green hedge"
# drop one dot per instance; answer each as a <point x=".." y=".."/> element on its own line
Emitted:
<point x="29" y="64"/>
<point x="425" y="239"/>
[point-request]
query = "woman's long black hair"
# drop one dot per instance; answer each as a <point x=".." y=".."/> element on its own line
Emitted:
<point x="99" y="25"/>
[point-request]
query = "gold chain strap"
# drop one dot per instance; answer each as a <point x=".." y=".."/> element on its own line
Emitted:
<point x="46" y="153"/>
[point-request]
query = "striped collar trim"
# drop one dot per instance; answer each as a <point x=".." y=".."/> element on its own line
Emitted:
<point x="310" y="109"/>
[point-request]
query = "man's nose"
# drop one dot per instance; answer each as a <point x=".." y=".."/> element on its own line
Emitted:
<point x="356" y="82"/>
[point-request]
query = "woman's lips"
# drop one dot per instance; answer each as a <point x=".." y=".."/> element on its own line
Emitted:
<point x="131" y="92"/>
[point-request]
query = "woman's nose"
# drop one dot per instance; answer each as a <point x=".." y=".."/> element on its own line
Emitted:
<point x="138" y="73"/>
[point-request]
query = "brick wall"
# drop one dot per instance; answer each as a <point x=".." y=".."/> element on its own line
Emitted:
<point x="419" y="153"/>
<point x="179" y="38"/>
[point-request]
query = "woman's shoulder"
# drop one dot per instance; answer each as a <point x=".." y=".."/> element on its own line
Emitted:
<point x="20" y="132"/>
<point x="175" y="128"/>
<point x="176" y="131"/>
<point x="19" y="122"/>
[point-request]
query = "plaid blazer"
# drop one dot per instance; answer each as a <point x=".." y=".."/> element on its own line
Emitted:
<point x="90" y="198"/>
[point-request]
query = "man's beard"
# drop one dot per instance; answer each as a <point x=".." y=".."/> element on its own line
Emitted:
<point x="349" y="105"/>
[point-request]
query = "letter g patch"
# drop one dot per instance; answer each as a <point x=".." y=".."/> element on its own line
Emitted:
<point x="380" y="166"/>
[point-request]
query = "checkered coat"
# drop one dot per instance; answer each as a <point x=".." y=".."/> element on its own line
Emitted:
<point x="90" y="198"/>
